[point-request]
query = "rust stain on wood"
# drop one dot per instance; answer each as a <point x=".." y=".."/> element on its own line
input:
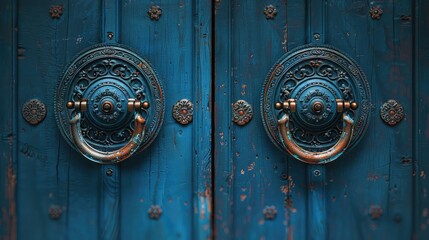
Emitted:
<point x="9" y="214"/>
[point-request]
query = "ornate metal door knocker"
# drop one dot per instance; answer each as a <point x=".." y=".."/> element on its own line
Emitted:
<point x="109" y="103"/>
<point x="315" y="103"/>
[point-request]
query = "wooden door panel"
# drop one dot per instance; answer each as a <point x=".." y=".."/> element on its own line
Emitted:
<point x="377" y="174"/>
<point x="251" y="174"/>
<point x="56" y="193"/>
<point x="52" y="177"/>
<point x="376" y="190"/>
<point x="365" y="194"/>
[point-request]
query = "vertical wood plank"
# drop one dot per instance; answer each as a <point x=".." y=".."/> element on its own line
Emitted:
<point x="110" y="189"/>
<point x="8" y="128"/>
<point x="52" y="175"/>
<point x="174" y="172"/>
<point x="317" y="222"/>
<point x="374" y="176"/>
<point x="223" y="162"/>
<point x="251" y="175"/>
<point x="201" y="138"/>
<point x="421" y="119"/>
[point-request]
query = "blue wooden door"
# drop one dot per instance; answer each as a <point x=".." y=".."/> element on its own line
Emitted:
<point x="375" y="190"/>
<point x="214" y="165"/>
<point x="51" y="191"/>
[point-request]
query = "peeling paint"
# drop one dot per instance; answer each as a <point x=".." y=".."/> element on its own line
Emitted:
<point x="251" y="166"/>
<point x="9" y="213"/>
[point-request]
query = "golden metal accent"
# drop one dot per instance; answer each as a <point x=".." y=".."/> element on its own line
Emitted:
<point x="80" y="106"/>
<point x="70" y="105"/>
<point x="288" y="104"/>
<point x="108" y="157"/>
<point x="344" y="105"/>
<point x="107" y="106"/>
<point x="318" y="107"/>
<point x="146" y="105"/>
<point x="134" y="104"/>
<point x="316" y="157"/>
<point x="130" y="104"/>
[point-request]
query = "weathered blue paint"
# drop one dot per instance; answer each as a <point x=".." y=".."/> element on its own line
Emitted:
<point x="421" y="118"/>
<point x="250" y="173"/>
<point x="8" y="120"/>
<point x="388" y="169"/>
<point x="104" y="201"/>
<point x="380" y="172"/>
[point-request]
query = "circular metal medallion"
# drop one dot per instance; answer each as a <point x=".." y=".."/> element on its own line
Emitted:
<point x="34" y="111"/>
<point x="107" y="76"/>
<point x="242" y="112"/>
<point x="183" y="111"/>
<point x="392" y="112"/>
<point x="315" y="76"/>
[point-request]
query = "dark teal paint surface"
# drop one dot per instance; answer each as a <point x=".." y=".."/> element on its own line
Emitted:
<point x="174" y="172"/>
<point x="388" y="169"/>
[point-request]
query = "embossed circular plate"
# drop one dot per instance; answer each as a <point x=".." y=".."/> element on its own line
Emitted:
<point x="315" y="75"/>
<point x="108" y="75"/>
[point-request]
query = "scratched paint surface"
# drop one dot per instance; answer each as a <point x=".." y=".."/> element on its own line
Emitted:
<point x="365" y="194"/>
<point x="58" y="193"/>
<point x="376" y="191"/>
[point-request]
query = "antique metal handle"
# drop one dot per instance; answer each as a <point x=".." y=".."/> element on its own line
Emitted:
<point x="316" y="103"/>
<point x="316" y="157"/>
<point x="114" y="156"/>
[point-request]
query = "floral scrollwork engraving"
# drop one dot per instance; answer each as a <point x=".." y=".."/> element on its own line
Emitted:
<point x="183" y="111"/>
<point x="270" y="212"/>
<point x="34" y="111"/>
<point x="270" y="12"/>
<point x="242" y="112"/>
<point x="375" y="12"/>
<point x="155" y="212"/>
<point x="392" y="112"/>
<point x="155" y="12"/>
<point x="56" y="11"/>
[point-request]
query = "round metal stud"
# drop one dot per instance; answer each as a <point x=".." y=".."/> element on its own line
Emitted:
<point x="270" y="212"/>
<point x="375" y="12"/>
<point x="155" y="12"/>
<point x="392" y="112"/>
<point x="34" y="111"/>
<point x="55" y="212"/>
<point x="56" y="11"/>
<point x="155" y="212"/>
<point x="183" y="111"/>
<point x="242" y="112"/>
<point x="270" y="12"/>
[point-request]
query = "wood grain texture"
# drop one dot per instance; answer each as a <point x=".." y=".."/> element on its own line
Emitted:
<point x="316" y="218"/>
<point x="110" y="175"/>
<point x="174" y="172"/>
<point x="250" y="173"/>
<point x="387" y="170"/>
<point x="8" y="127"/>
<point x="375" y="174"/>
<point x="50" y="173"/>
<point x="421" y="119"/>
